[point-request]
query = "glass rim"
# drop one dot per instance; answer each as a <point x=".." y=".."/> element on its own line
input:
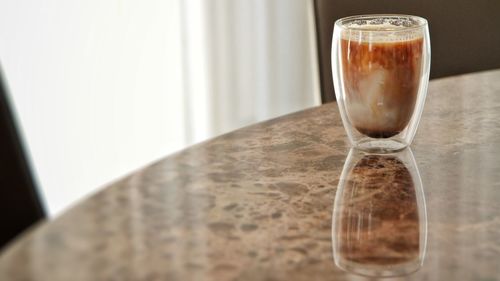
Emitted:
<point x="340" y="23"/>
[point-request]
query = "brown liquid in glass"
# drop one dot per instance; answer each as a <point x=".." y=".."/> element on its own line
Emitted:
<point x="381" y="83"/>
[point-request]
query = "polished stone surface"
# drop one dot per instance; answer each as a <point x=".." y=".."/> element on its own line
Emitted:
<point x="260" y="204"/>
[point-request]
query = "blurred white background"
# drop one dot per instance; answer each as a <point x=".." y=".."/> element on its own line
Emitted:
<point x="102" y="88"/>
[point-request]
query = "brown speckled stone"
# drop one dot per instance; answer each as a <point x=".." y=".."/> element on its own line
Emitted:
<point x="257" y="204"/>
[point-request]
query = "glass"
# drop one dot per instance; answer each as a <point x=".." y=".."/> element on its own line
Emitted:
<point x="379" y="221"/>
<point x="380" y="66"/>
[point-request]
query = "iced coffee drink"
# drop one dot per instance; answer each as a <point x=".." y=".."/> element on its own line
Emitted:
<point x="381" y="82"/>
<point x="381" y="68"/>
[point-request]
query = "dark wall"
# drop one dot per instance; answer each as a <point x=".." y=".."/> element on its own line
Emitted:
<point x="465" y="34"/>
<point x="20" y="205"/>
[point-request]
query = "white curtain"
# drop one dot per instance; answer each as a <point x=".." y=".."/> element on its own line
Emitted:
<point x="104" y="87"/>
<point x="246" y="61"/>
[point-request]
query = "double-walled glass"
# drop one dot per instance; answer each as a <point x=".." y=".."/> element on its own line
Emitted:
<point x="380" y="66"/>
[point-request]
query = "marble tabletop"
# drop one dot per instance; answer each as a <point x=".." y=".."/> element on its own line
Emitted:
<point x="286" y="199"/>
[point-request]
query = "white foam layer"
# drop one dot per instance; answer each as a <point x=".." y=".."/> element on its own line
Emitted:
<point x="376" y="27"/>
<point x="383" y="29"/>
<point x="374" y="36"/>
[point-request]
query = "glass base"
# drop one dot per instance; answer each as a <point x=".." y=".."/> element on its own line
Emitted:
<point x="380" y="145"/>
<point x="396" y="270"/>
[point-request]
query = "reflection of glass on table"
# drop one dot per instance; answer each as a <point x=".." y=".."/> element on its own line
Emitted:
<point x="379" y="225"/>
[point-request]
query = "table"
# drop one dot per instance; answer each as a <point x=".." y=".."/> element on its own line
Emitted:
<point x="257" y="204"/>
